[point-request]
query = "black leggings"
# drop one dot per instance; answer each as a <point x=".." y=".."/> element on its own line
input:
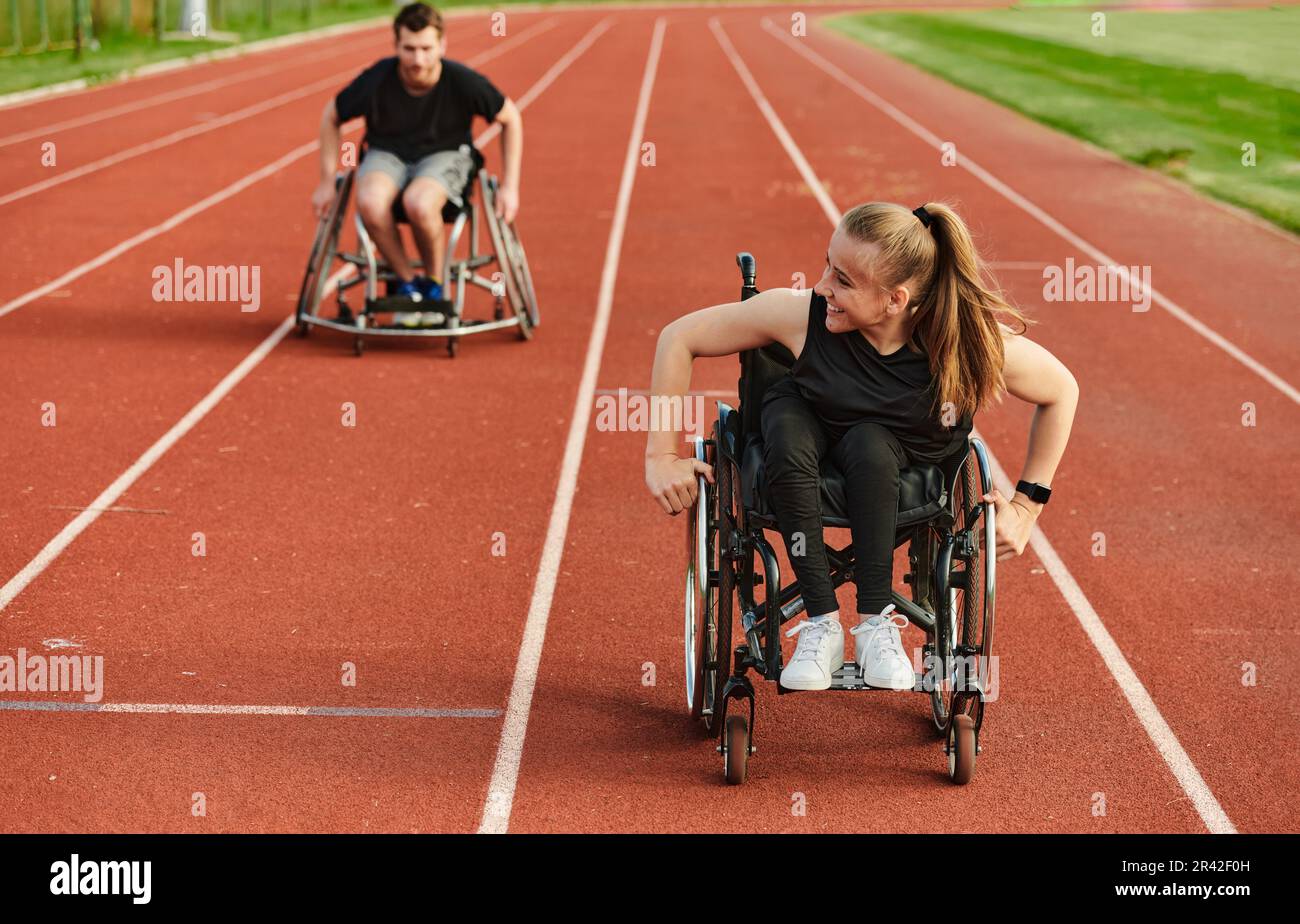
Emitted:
<point x="795" y="439"/>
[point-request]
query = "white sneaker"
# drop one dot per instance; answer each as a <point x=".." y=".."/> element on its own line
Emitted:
<point x="880" y="654"/>
<point x="406" y="318"/>
<point x="819" y="654"/>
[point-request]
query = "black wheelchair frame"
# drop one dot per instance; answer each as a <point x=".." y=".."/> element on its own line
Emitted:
<point x="952" y="574"/>
<point x="514" y="281"/>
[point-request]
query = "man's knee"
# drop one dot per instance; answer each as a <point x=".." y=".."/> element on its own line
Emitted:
<point x="375" y="205"/>
<point x="423" y="203"/>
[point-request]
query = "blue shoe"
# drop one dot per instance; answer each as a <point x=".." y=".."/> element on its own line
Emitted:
<point x="429" y="288"/>
<point x="412" y="290"/>
<point x="409" y="290"/>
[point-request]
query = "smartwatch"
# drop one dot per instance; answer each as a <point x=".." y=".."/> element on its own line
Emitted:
<point x="1038" y="493"/>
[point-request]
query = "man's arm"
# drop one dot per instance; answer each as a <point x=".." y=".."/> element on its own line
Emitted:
<point x="330" y="138"/>
<point x="512" y="155"/>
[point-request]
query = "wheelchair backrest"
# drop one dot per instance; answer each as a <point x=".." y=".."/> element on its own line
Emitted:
<point x="760" y="368"/>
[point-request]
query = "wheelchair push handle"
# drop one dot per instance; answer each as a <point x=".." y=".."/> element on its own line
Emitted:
<point x="745" y="260"/>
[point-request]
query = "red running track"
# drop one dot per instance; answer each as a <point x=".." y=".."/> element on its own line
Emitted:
<point x="373" y="545"/>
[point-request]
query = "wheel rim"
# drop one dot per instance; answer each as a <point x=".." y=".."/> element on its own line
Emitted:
<point x="723" y="593"/>
<point x="324" y="249"/>
<point x="523" y="277"/>
<point x="701" y="597"/>
<point x="693" y="614"/>
<point x="504" y="254"/>
<point x="939" y="653"/>
<point x="968" y="605"/>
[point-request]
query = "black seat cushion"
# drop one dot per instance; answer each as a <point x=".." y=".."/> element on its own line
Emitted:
<point x="921" y="493"/>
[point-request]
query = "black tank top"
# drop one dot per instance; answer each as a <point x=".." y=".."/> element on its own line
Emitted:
<point x="847" y="382"/>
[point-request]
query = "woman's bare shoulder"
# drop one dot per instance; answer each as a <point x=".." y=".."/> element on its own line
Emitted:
<point x="792" y="315"/>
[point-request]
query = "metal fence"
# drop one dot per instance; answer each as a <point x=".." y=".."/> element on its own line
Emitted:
<point x="35" y="26"/>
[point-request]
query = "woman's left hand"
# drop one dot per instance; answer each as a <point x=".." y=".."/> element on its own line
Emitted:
<point x="1014" y="524"/>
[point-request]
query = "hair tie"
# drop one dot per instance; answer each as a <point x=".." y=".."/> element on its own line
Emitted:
<point x="922" y="214"/>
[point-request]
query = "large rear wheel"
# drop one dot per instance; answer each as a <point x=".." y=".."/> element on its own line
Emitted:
<point x="510" y="257"/>
<point x="972" y="590"/>
<point x="324" y="248"/>
<point x="701" y="591"/>
<point x="727" y="513"/>
<point x="923" y="556"/>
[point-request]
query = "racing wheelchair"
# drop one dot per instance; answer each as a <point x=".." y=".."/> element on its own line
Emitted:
<point x="733" y="575"/>
<point x="513" y="282"/>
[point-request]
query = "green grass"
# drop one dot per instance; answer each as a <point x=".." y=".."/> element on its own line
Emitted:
<point x="1262" y="44"/>
<point x="1179" y="92"/>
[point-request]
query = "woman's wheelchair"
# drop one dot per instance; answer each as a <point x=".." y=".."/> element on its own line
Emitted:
<point x="512" y="283"/>
<point x="951" y="557"/>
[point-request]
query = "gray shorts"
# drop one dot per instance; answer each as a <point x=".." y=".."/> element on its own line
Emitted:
<point x="451" y="169"/>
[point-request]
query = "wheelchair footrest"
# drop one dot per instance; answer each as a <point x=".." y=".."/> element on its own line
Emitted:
<point x="849" y="678"/>
<point x="433" y="314"/>
<point x="395" y="303"/>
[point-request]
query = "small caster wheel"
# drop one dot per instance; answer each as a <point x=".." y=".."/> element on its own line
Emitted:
<point x="451" y="347"/>
<point x="961" y="749"/>
<point x="358" y="346"/>
<point x="498" y="312"/>
<point x="302" y="329"/>
<point x="735" y="756"/>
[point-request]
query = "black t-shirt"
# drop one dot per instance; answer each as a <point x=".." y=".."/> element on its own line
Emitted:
<point x="416" y="126"/>
<point x="848" y="381"/>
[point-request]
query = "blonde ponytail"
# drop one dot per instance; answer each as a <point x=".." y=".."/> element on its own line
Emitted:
<point x="955" y="316"/>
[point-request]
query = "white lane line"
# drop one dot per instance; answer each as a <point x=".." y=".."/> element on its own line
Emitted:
<point x="1162" y="736"/>
<point x="1034" y="265"/>
<point x="158" y="99"/>
<point x="552" y="74"/>
<point x="382" y="712"/>
<point x="1144" y="707"/>
<point x="380" y="23"/>
<point x="108" y="497"/>
<point x="216" y="198"/>
<point x="505" y="771"/>
<point x="228" y="119"/>
<point x="174" y="138"/>
<point x="1034" y="211"/>
<point x="110" y="494"/>
<point x="85" y="86"/>
<point x="149" y="234"/>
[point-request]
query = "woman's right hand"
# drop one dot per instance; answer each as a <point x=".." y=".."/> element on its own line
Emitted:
<point x="671" y="480"/>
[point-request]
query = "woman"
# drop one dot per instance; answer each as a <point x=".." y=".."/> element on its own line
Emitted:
<point x="896" y="348"/>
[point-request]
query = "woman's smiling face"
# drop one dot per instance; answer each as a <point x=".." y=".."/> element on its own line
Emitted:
<point x="854" y="299"/>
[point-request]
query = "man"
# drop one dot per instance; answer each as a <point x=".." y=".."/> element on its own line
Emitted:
<point x="419" y="109"/>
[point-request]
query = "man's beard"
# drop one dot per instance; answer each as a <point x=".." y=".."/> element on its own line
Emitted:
<point x="419" y="77"/>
